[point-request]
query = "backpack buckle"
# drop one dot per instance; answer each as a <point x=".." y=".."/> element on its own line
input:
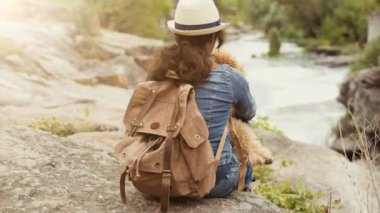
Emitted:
<point x="172" y="128"/>
<point x="166" y="173"/>
<point x="137" y="124"/>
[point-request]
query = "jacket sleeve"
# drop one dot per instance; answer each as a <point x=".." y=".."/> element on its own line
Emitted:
<point x="244" y="102"/>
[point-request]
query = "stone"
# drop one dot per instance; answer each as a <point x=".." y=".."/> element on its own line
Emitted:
<point x="347" y="147"/>
<point x="336" y="61"/>
<point x="326" y="50"/>
<point x="87" y="181"/>
<point x="361" y="96"/>
<point x="322" y="169"/>
<point x="50" y="52"/>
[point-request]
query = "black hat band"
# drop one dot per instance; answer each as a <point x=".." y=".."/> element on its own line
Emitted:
<point x="197" y="27"/>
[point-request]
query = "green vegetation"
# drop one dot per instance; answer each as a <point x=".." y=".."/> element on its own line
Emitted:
<point x="274" y="42"/>
<point x="9" y="47"/>
<point x="262" y="122"/>
<point x="144" y="18"/>
<point x="57" y="127"/>
<point x="296" y="198"/>
<point x="369" y="57"/>
<point x="309" y="23"/>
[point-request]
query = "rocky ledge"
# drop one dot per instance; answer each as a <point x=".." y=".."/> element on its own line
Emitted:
<point x="361" y="96"/>
<point x="41" y="172"/>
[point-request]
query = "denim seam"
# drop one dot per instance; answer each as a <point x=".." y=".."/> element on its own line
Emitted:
<point x="230" y="86"/>
<point x="243" y="88"/>
<point x="212" y="103"/>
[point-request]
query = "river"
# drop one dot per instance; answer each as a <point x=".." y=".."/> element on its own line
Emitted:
<point x="298" y="96"/>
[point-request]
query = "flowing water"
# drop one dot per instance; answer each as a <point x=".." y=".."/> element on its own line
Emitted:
<point x="298" y="96"/>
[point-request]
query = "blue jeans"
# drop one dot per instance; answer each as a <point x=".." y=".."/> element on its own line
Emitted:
<point x="227" y="178"/>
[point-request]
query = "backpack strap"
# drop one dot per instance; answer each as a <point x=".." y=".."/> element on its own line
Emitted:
<point x="137" y="123"/>
<point x="221" y="146"/>
<point x="242" y="159"/>
<point x="166" y="172"/>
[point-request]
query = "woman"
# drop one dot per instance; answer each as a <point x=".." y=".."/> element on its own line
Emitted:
<point x="218" y="88"/>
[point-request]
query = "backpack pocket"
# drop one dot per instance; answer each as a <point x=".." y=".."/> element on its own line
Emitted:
<point x="128" y="149"/>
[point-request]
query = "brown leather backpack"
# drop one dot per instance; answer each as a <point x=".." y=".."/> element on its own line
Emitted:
<point x="166" y="151"/>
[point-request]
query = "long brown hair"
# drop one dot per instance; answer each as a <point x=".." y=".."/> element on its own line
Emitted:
<point x="189" y="58"/>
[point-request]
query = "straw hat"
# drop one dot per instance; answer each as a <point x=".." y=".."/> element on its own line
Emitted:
<point x="196" y="17"/>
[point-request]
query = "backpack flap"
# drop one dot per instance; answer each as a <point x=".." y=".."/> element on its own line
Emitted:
<point x="194" y="130"/>
<point x="157" y="119"/>
<point x="196" y="149"/>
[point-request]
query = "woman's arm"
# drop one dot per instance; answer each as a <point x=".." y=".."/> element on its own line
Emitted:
<point x="243" y="101"/>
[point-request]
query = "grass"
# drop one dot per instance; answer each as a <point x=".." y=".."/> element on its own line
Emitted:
<point x="62" y="129"/>
<point x="9" y="47"/>
<point x="262" y="122"/>
<point x="367" y="147"/>
<point x="294" y="198"/>
<point x="55" y="126"/>
<point x="368" y="58"/>
<point x="367" y="141"/>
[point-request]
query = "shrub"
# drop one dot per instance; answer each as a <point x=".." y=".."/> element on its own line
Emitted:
<point x="369" y="57"/>
<point x="332" y="31"/>
<point x="144" y="18"/>
<point x="274" y="42"/>
<point x="296" y="198"/>
<point x="55" y="126"/>
<point x="261" y="122"/>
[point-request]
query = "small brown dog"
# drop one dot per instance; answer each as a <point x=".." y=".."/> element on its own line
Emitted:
<point x="252" y="148"/>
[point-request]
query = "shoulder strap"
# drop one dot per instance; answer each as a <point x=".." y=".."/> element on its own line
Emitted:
<point x="240" y="155"/>
<point x="221" y="145"/>
<point x="137" y="123"/>
<point x="168" y="151"/>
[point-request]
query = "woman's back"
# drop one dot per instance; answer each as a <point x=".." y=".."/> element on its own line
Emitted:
<point x="224" y="89"/>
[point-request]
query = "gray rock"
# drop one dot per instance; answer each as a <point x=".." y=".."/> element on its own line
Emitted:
<point x="326" y="50"/>
<point x="336" y="61"/>
<point x="75" y="177"/>
<point x="324" y="170"/>
<point x="49" y="51"/>
<point x="361" y="96"/>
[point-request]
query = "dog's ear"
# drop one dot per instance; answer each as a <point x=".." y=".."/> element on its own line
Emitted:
<point x="223" y="57"/>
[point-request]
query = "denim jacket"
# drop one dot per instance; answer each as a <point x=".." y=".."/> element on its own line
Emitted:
<point x="225" y="88"/>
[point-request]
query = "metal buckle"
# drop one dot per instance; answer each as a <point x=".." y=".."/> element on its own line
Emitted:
<point x="172" y="128"/>
<point x="135" y="124"/>
<point x="166" y="173"/>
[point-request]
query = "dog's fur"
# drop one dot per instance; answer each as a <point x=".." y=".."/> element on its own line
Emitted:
<point x="252" y="148"/>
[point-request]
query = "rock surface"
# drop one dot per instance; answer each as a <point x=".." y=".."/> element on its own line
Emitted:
<point x="336" y="61"/>
<point x="322" y="169"/>
<point x="49" y="50"/>
<point x="361" y="96"/>
<point x="40" y="172"/>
